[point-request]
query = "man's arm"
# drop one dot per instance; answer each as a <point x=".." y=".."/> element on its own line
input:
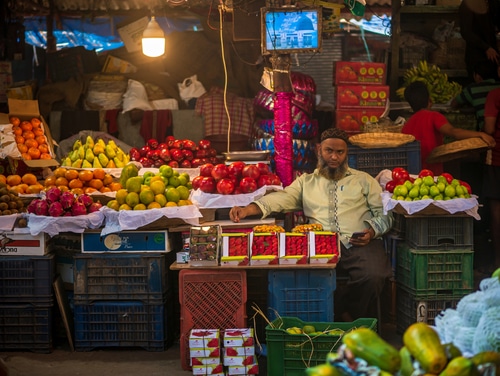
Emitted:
<point x="237" y="212"/>
<point x="461" y="134"/>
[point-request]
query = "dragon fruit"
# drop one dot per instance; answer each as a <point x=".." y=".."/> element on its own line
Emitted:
<point x="78" y="207"/>
<point x="67" y="199"/>
<point x="42" y="207"/>
<point x="53" y="194"/>
<point x="86" y="199"/>
<point x="94" y="207"/>
<point x="32" y="205"/>
<point x="56" y="209"/>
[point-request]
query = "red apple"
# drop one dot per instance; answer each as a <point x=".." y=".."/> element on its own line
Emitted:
<point x="251" y="171"/>
<point x="248" y="185"/>
<point x="264" y="180"/>
<point x="177" y="144"/>
<point x="225" y="186"/>
<point x="207" y="184"/>
<point x="158" y="163"/>
<point x="169" y="140"/>
<point x="196" y="162"/>
<point x="176" y="154"/>
<point x="164" y="154"/>
<point x="186" y="163"/>
<point x="189" y="144"/>
<point x="145" y="162"/>
<point x="275" y="179"/>
<point x="134" y="154"/>
<point x="263" y="168"/>
<point x="144" y="150"/>
<point x="390" y="185"/>
<point x="188" y="154"/>
<point x="162" y="145"/>
<point x="197" y="181"/>
<point x="201" y="153"/>
<point x="219" y="171"/>
<point x="425" y="172"/>
<point x="235" y="169"/>
<point x="447" y="176"/>
<point x="152" y="143"/>
<point x="204" y="144"/>
<point x="206" y="169"/>
<point x="173" y="164"/>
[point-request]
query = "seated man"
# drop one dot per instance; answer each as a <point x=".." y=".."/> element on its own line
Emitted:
<point x="346" y="201"/>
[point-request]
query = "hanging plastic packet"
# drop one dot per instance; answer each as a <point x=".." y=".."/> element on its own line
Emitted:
<point x="357" y="7"/>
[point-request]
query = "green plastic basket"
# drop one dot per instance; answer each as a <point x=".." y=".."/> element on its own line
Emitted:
<point x="290" y="354"/>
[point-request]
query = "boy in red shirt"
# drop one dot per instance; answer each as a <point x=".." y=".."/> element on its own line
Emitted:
<point x="429" y="127"/>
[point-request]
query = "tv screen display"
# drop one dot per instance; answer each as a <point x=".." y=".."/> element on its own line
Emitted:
<point x="290" y="30"/>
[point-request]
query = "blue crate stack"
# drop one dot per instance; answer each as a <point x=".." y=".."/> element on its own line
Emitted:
<point x="305" y="294"/>
<point x="27" y="303"/>
<point x="122" y="300"/>
<point x="434" y="265"/>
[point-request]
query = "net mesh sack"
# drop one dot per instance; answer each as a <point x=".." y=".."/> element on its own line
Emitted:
<point x="487" y="334"/>
<point x="491" y="291"/>
<point x="446" y="323"/>
<point x="471" y="307"/>
<point x="489" y="284"/>
<point x="464" y="339"/>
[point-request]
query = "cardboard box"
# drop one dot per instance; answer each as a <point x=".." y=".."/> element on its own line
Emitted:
<point x="204" y="352"/>
<point x="238" y="337"/>
<point x="324" y="247"/>
<point x="358" y="72"/>
<point x="352" y="120"/>
<point x="22" y="90"/>
<point x="235" y="249"/>
<point x="26" y="110"/>
<point x="294" y="248"/>
<point x="116" y="65"/>
<point x="361" y="96"/>
<point x="204" y="338"/>
<point x="264" y="248"/>
<point x="20" y="242"/>
<point x="200" y="360"/>
<point x="208" y="369"/>
<point x="252" y="369"/>
<point x="239" y="360"/>
<point x="204" y="244"/>
<point x="238" y="350"/>
<point x="125" y="241"/>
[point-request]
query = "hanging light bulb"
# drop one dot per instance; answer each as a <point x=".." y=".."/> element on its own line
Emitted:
<point x="153" y="39"/>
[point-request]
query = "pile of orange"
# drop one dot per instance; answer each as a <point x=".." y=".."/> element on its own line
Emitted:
<point x="30" y="138"/>
<point x="82" y="181"/>
<point x="25" y="184"/>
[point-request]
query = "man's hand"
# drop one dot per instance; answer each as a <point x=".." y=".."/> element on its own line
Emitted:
<point x="238" y="213"/>
<point x="360" y="241"/>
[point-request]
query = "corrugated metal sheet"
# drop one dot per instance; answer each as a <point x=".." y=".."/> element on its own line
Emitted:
<point x="320" y="66"/>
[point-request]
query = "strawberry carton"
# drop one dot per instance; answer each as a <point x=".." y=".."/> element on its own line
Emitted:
<point x="238" y="351"/>
<point x="352" y="121"/>
<point x="208" y="369"/>
<point x="324" y="247"/>
<point x="359" y="73"/>
<point x="238" y="337"/>
<point x="293" y="248"/>
<point x="239" y="360"/>
<point x="264" y="248"/>
<point x="243" y="370"/>
<point x="201" y="360"/>
<point x="204" y="352"/>
<point x="361" y="96"/>
<point x="235" y="249"/>
<point x="204" y="338"/>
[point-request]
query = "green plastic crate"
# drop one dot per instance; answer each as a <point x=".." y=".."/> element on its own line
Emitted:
<point x="434" y="272"/>
<point x="290" y="354"/>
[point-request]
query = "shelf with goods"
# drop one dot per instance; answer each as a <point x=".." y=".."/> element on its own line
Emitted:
<point x="423" y="20"/>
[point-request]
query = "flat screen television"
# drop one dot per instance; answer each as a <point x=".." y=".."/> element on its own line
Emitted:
<point x="290" y="30"/>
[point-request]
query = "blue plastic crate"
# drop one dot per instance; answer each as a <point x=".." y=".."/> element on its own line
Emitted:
<point x="375" y="160"/>
<point x="134" y="276"/>
<point x="25" y="326"/>
<point x="27" y="279"/>
<point x="121" y="324"/>
<point x="305" y="294"/>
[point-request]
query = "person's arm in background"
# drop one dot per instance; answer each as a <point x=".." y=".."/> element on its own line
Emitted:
<point x="461" y="134"/>
<point x="491" y="111"/>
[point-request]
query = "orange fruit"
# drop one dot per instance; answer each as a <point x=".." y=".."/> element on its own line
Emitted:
<point x="75" y="183"/>
<point x="63" y="188"/>
<point x="20" y="140"/>
<point x="114" y="186"/>
<point x="96" y="183"/>
<point x="28" y="134"/>
<point x="36" y="123"/>
<point x="77" y="191"/>
<point x="14" y="120"/>
<point x="44" y="148"/>
<point x="41" y="140"/>
<point x="104" y="189"/>
<point x="3" y="179"/>
<point x="38" y="132"/>
<point x="86" y="175"/>
<point x="26" y="125"/>
<point x="50" y="180"/>
<point x="14" y="180"/>
<point x="60" y="172"/>
<point x="71" y="174"/>
<point x="17" y="189"/>
<point x="99" y="173"/>
<point x="107" y="180"/>
<point x="61" y="181"/>
<point x="35" y="188"/>
<point x="26" y="156"/>
<point x="23" y="187"/>
<point x="89" y="190"/>
<point x="31" y="143"/>
<point x="29" y="179"/>
<point x="45" y="156"/>
<point x="34" y="153"/>
<point x="22" y="148"/>
<point x="17" y="131"/>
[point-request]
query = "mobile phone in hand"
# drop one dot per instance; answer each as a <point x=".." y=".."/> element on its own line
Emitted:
<point x="357" y="235"/>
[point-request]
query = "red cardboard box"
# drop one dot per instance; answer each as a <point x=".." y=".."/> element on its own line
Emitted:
<point x="324" y="247"/>
<point x="352" y="120"/>
<point x="359" y="72"/>
<point x="361" y="96"/>
<point x="294" y="248"/>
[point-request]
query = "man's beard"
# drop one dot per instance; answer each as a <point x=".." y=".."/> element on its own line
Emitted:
<point x="331" y="173"/>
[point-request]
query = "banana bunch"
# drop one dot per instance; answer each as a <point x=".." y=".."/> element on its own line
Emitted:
<point x="95" y="154"/>
<point x="441" y="90"/>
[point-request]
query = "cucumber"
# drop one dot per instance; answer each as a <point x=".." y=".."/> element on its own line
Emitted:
<point x="425" y="346"/>
<point x="364" y="343"/>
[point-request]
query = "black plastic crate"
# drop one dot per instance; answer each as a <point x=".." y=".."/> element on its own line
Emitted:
<point x="122" y="324"/>
<point x="128" y="276"/>
<point x="27" y="279"/>
<point x="439" y="231"/>
<point x="375" y="160"/>
<point x="25" y="326"/>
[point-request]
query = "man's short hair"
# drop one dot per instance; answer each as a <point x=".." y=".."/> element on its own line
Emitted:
<point x="417" y="95"/>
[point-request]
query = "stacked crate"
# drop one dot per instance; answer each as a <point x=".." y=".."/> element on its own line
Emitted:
<point x="434" y="268"/>
<point x="121" y="300"/>
<point x="27" y="302"/>
<point x="361" y="94"/>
